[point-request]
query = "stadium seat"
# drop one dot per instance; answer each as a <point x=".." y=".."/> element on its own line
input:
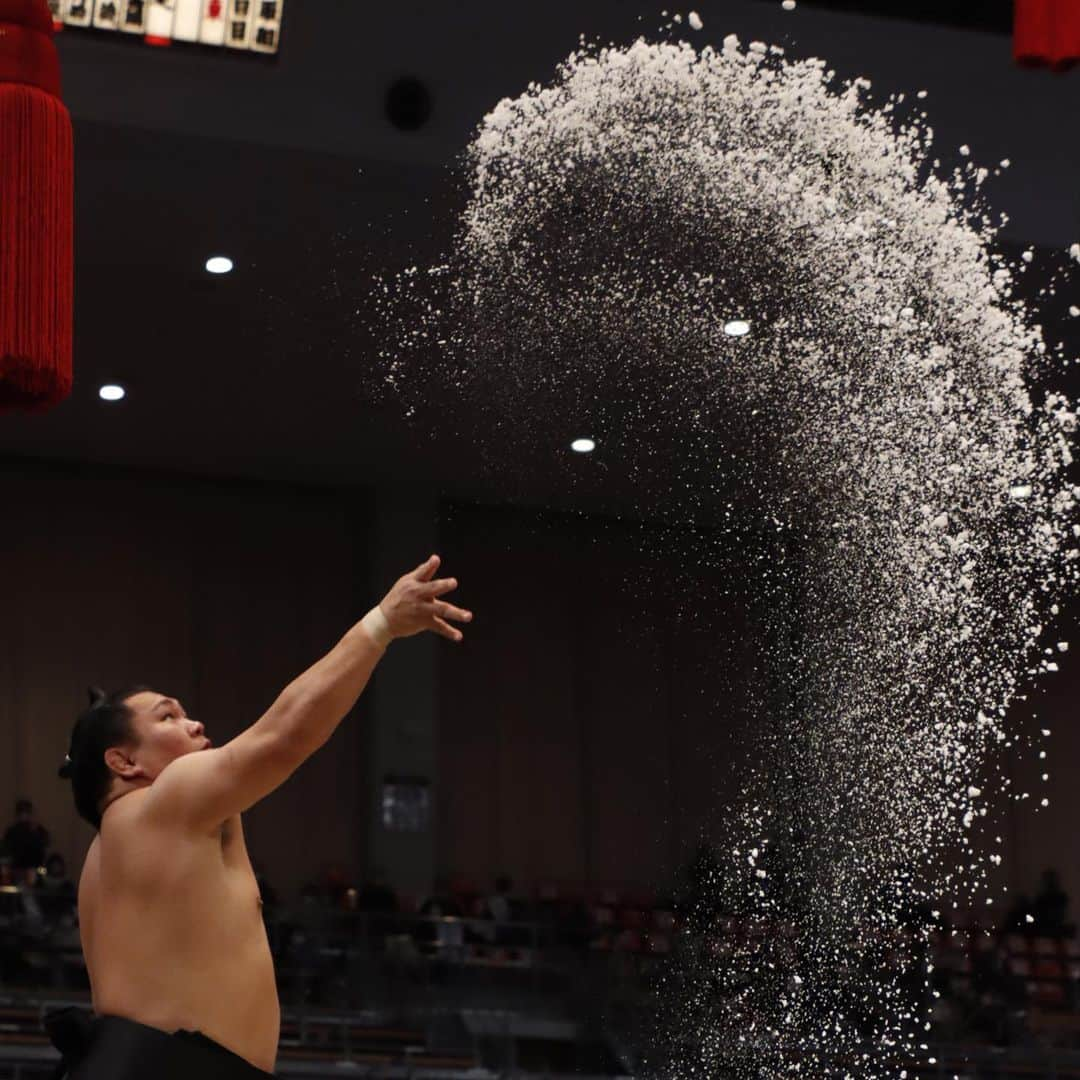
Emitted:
<point x="664" y="920"/>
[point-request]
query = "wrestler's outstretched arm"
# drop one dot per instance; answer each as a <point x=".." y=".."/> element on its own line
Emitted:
<point x="199" y="791"/>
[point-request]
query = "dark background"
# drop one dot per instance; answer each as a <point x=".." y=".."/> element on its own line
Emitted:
<point x="216" y="532"/>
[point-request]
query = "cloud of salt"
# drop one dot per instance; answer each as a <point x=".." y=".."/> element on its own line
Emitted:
<point x="889" y="415"/>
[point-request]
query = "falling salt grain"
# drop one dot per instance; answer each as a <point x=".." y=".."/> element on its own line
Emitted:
<point x="694" y="19"/>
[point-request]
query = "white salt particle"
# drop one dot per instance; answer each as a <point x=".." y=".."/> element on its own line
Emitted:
<point x="694" y="19"/>
<point x="1074" y="311"/>
<point x="1028" y="256"/>
<point x="965" y="150"/>
<point x="1063" y="646"/>
<point x="1029" y="918"/>
<point x="788" y="5"/>
<point x="1045" y="802"/>
<point x="1074" y="251"/>
<point x="1020" y="491"/>
<point x="974" y="792"/>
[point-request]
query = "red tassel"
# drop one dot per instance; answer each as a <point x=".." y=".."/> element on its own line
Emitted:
<point x="1047" y="32"/>
<point x="36" y="213"/>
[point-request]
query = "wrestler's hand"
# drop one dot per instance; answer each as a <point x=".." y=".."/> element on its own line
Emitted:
<point x="413" y="604"/>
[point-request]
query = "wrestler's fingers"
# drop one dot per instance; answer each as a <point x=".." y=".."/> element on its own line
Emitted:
<point x="426" y="570"/>
<point x="448" y="611"/>
<point x="442" y="586"/>
<point x="447" y="630"/>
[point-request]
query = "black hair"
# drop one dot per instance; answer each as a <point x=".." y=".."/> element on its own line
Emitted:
<point x="106" y="722"/>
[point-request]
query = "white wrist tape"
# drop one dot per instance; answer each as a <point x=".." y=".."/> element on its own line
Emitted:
<point x="374" y="622"/>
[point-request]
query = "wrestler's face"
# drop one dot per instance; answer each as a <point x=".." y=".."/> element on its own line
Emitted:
<point x="165" y="732"/>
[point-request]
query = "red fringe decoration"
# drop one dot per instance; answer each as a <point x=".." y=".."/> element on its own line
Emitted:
<point x="1047" y="33"/>
<point x="36" y="213"/>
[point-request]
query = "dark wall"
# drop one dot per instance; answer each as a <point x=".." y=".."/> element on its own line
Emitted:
<point x="587" y="729"/>
<point x="589" y="724"/>
<point x="217" y="593"/>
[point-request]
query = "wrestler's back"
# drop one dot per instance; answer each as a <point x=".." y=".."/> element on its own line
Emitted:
<point x="172" y="932"/>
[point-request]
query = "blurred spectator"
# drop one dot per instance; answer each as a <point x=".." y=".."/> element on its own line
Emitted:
<point x="440" y="905"/>
<point x="56" y="892"/>
<point x="498" y="903"/>
<point x="1050" y="906"/>
<point x="376" y="897"/>
<point x="25" y="841"/>
<point x="495" y="912"/>
<point x="34" y="922"/>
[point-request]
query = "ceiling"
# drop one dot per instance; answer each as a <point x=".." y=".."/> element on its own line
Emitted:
<point x="992" y="15"/>
<point x="291" y="166"/>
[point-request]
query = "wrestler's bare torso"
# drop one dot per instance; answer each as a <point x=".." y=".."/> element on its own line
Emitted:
<point x="172" y="932"/>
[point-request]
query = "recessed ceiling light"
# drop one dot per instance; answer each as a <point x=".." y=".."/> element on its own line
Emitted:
<point x="583" y="446"/>
<point x="112" y="392"/>
<point x="219" y="264"/>
<point x="737" y="328"/>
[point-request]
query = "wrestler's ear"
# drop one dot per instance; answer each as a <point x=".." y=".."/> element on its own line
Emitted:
<point x="121" y="765"/>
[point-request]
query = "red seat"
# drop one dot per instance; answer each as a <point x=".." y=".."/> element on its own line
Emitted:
<point x="1047" y="967"/>
<point x="1048" y="993"/>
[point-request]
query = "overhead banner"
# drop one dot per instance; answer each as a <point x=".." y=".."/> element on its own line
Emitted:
<point x="1047" y="33"/>
<point x="248" y="25"/>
